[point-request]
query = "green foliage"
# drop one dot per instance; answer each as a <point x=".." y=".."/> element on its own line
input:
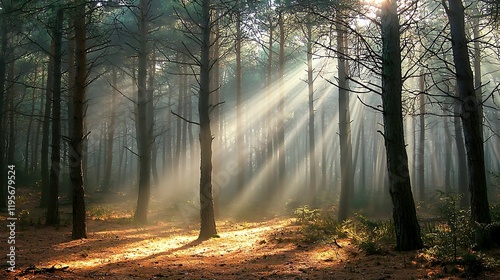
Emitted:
<point x="452" y="237"/>
<point x="99" y="212"/>
<point x="316" y="225"/>
<point x="452" y="240"/>
<point x="369" y="235"/>
<point x="306" y="215"/>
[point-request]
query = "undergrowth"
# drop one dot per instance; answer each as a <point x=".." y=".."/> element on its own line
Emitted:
<point x="369" y="235"/>
<point x="449" y="242"/>
<point x="317" y="225"/>
<point x="452" y="241"/>
<point x="321" y="226"/>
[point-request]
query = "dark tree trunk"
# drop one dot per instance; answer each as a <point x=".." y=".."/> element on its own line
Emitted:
<point x="239" y="110"/>
<point x="151" y="119"/>
<point x="178" y="133"/>
<point x="461" y="159"/>
<point x="362" y="166"/>
<point x="207" y="214"/>
<point x="216" y="112"/>
<point x="447" y="161"/>
<point x="53" y="201"/>
<point x="44" y="164"/>
<point x="111" y="133"/>
<point x="144" y="139"/>
<point x="281" y="105"/>
<point x="323" y="151"/>
<point x="97" y="164"/>
<point x="312" y="144"/>
<point x="36" y="146"/>
<point x="29" y="140"/>
<point x="71" y="89"/>
<point x="269" y="178"/>
<point x="404" y="213"/>
<point x="11" y="147"/>
<point x="77" y="139"/>
<point x="344" y="123"/>
<point x="471" y="116"/>
<point x="421" y="143"/>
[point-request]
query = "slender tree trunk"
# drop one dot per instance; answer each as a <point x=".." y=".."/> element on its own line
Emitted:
<point x="29" y="140"/>
<point x="99" y="156"/>
<point x="151" y="118"/>
<point x="477" y="56"/>
<point x="216" y="112"/>
<point x="404" y="213"/>
<point x="281" y="105"/>
<point x="178" y="134"/>
<point x="344" y="123"/>
<point x="312" y="143"/>
<point x="362" y="167"/>
<point x="169" y="135"/>
<point x="184" y="141"/>
<point x="55" y="170"/>
<point x="207" y="215"/>
<point x="71" y="89"/>
<point x="121" y="172"/>
<point x="461" y="159"/>
<point x="239" y="110"/>
<point x="448" y="143"/>
<point x="77" y="139"/>
<point x="323" y="151"/>
<point x="11" y="148"/>
<point x="36" y="146"/>
<point x="111" y="133"/>
<point x="44" y="165"/>
<point x="471" y="116"/>
<point x="421" y="143"/>
<point x="144" y="139"/>
<point x="270" y="123"/>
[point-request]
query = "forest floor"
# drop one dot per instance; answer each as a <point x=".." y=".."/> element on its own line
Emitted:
<point x="116" y="248"/>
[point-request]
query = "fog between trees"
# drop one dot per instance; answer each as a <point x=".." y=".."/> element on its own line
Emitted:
<point x="250" y="108"/>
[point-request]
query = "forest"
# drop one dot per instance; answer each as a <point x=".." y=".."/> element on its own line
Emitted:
<point x="250" y="139"/>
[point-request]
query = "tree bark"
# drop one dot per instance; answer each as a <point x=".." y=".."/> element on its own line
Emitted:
<point x="323" y="151"/>
<point x="344" y="122"/>
<point x="421" y="143"/>
<point x="151" y="118"/>
<point x="144" y="139"/>
<point x="207" y="228"/>
<point x="11" y="147"/>
<point x="36" y="146"/>
<point x="281" y="105"/>
<point x="53" y="201"/>
<point x="471" y="116"/>
<point x="77" y="139"/>
<point x="44" y="164"/>
<point x="404" y="214"/>
<point x="29" y="140"/>
<point x="312" y="144"/>
<point x="239" y="110"/>
<point x="111" y="133"/>
<point x="269" y="178"/>
<point x="461" y="159"/>
<point x="447" y="161"/>
<point x="216" y="112"/>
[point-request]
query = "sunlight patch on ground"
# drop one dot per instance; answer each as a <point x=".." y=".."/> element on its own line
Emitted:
<point x="156" y="241"/>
